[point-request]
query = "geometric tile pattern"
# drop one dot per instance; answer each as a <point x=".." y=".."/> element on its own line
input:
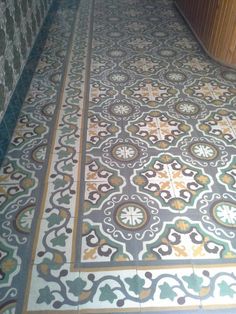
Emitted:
<point x="128" y="205"/>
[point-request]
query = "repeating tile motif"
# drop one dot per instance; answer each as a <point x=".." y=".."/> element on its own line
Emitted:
<point x="20" y="22"/>
<point x="137" y="212"/>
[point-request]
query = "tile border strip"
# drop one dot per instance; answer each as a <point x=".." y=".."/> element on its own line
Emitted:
<point x="46" y="168"/>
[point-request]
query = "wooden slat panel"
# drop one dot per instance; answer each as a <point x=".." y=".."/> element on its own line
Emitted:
<point x="214" y="22"/>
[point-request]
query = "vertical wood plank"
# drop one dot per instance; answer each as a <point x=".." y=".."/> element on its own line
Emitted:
<point x="214" y="22"/>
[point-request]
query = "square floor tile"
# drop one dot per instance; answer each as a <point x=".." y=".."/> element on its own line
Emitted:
<point x="216" y="285"/>
<point x="55" y="239"/>
<point x="53" y="288"/>
<point x="168" y="288"/>
<point x="110" y="291"/>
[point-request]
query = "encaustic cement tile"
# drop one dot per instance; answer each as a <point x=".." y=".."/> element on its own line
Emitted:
<point x="61" y="193"/>
<point x="183" y="239"/>
<point x="109" y="291"/>
<point x="67" y="143"/>
<point x="85" y="292"/>
<point x="216" y="285"/>
<point x="57" y="242"/>
<point x="53" y="288"/>
<point x="62" y="189"/>
<point x="65" y="166"/>
<point x="17" y="232"/>
<point x="98" y="182"/>
<point x="63" y="239"/>
<point x="12" y="172"/>
<point x="168" y="288"/>
<point x="84" y="245"/>
<point x="11" y="192"/>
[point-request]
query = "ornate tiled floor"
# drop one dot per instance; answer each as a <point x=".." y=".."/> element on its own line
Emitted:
<point x="118" y="190"/>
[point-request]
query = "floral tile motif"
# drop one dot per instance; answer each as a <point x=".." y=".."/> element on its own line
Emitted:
<point x="220" y="125"/>
<point x="204" y="151"/>
<point x="175" y="289"/>
<point x="61" y="197"/>
<point x="197" y="63"/>
<point x="218" y="284"/>
<point x="15" y="181"/>
<point x="186" y="239"/>
<point x="100" y="182"/>
<point x="121" y="109"/>
<point x="124" y="223"/>
<point x="224" y="212"/>
<point x="173" y="183"/>
<point x="151" y="92"/>
<point x="139" y="43"/>
<point x="9" y="263"/>
<point x="185" y="43"/>
<point x="26" y="128"/>
<point x="44" y="295"/>
<point x="128" y="205"/>
<point x="227" y="175"/>
<point x="99" y="92"/>
<point x="125" y="153"/>
<point x="99" y="65"/>
<point x="144" y="65"/>
<point x="98" y="130"/>
<point x="111" y="293"/>
<point x="98" y="246"/>
<point x="56" y="230"/>
<point x="159" y="129"/>
<point x="212" y="91"/>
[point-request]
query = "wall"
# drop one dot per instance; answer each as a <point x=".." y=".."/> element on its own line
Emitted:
<point x="214" y="23"/>
<point x="20" y="22"/>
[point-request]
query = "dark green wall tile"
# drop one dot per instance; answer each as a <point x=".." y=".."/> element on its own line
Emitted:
<point x="20" y="23"/>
